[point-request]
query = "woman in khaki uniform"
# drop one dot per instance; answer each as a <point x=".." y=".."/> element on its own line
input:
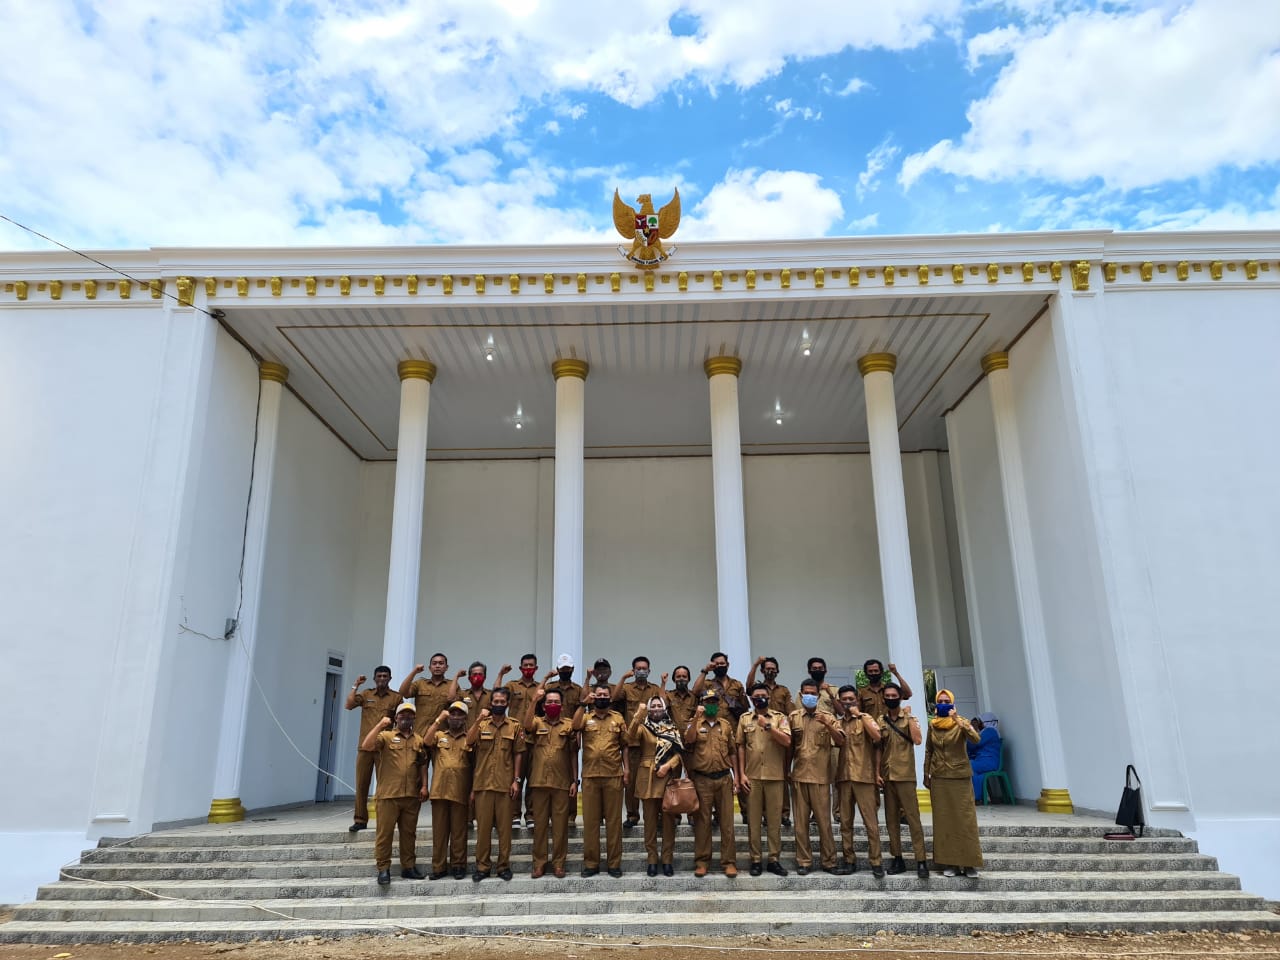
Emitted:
<point x="658" y="743"/>
<point x="948" y="778"/>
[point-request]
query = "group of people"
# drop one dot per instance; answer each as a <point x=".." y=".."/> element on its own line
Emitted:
<point x="538" y="743"/>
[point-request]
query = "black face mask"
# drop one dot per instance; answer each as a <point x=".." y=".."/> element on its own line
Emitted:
<point x="818" y="676"/>
<point x="875" y="678"/>
<point x="602" y="703"/>
<point x="761" y="704"/>
<point x="682" y="685"/>
<point x="720" y="672"/>
<point x="892" y="704"/>
<point x="498" y="709"/>
<point x="566" y="675"/>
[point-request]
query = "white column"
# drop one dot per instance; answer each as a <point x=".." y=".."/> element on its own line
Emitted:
<point x="1026" y="579"/>
<point x="400" y="628"/>
<point x="226" y="806"/>
<point x="731" y="536"/>
<point x="901" y="623"/>
<point x="566" y="569"/>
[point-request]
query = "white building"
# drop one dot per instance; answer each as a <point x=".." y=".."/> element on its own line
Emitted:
<point x="1043" y="461"/>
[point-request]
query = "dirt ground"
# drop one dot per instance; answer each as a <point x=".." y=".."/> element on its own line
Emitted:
<point x="883" y="946"/>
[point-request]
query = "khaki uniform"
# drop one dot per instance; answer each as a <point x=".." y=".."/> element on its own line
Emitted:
<point x="429" y="697"/>
<point x="955" y="821"/>
<point x="682" y="707"/>
<point x="372" y="709"/>
<point x="399" y="781"/>
<point x="634" y="695"/>
<point x="731" y="695"/>
<point x="519" y="693"/>
<point x="499" y="743"/>
<point x="603" y="740"/>
<point x="570" y="695"/>
<point x="766" y="769"/>
<point x="711" y="761"/>
<point x="450" y="799"/>
<point x="898" y="770"/>
<point x="475" y="703"/>
<point x="871" y="700"/>
<point x="553" y="747"/>
<point x="649" y="788"/>
<point x="856" y="782"/>
<point x="811" y="750"/>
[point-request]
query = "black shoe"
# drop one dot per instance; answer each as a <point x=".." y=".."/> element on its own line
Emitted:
<point x="756" y="869"/>
<point x="615" y="872"/>
<point x="413" y="873"/>
<point x="438" y="876"/>
<point x="357" y="827"/>
<point x="384" y="878"/>
<point x="668" y="870"/>
<point x="480" y="875"/>
<point x="877" y="871"/>
<point x="842" y="870"/>
<point x="777" y="869"/>
<point x="504" y="874"/>
<point x="834" y="871"/>
<point x="458" y="873"/>
<point x="590" y="871"/>
<point x="653" y="870"/>
<point x="745" y="821"/>
<point x="851" y="866"/>
<point x="786" y="822"/>
<point x="802" y="871"/>
<point x="922" y="869"/>
<point x="630" y="823"/>
<point x="896" y="866"/>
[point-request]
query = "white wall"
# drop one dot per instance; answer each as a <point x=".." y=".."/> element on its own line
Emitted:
<point x="1196" y="395"/>
<point x="306" y="608"/>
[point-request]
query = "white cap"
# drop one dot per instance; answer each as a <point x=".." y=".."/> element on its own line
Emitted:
<point x="564" y="660"/>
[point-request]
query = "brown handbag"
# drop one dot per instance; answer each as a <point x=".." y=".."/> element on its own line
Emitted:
<point x="679" y="796"/>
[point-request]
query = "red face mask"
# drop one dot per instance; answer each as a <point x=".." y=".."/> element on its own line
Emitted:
<point x="477" y="679"/>
<point x="527" y="672"/>
<point x="552" y="710"/>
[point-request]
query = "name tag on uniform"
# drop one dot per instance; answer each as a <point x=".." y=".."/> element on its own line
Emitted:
<point x="395" y="739"/>
<point x="543" y="731"/>
<point x="591" y="723"/>
<point x="704" y="729"/>
<point x="486" y="734"/>
<point x="444" y="741"/>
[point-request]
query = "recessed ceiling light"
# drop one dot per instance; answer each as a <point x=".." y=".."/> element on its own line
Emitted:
<point x="488" y="348"/>
<point x="806" y="344"/>
<point x="518" y="419"/>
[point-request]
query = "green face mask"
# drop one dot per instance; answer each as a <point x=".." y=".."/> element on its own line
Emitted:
<point x="711" y="709"/>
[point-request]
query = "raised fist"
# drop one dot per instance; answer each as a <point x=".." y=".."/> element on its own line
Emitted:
<point x="361" y="679"/>
<point x="419" y="668"/>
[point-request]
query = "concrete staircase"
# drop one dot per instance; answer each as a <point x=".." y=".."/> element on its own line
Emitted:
<point x="280" y="880"/>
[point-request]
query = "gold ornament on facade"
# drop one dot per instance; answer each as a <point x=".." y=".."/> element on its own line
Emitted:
<point x="1028" y="272"/>
<point x="819" y="278"/>
<point x="1109" y="272"/>
<point x="446" y="284"/>
<point x="714" y="366"/>
<point x="751" y="279"/>
<point x="1215" y="269"/>
<point x="277" y="286"/>
<point x="20" y="288"/>
<point x="682" y="281"/>
<point x="1251" y="269"/>
<point x="877" y="363"/>
<point x="922" y="275"/>
<point x="344" y="285"/>
<point x="411" y="284"/>
<point x="91" y="289"/>
<point x="784" y="277"/>
<point x="997" y="360"/>
<point x="55" y="290"/>
<point x="416" y="370"/>
<point x="210" y="287"/>
<point x="242" y="286"/>
<point x="957" y="273"/>
<point x="275" y="372"/>
<point x="1080" y="275"/>
<point x="1184" y="269"/>
<point x="890" y="276"/>
<point x="648" y="282"/>
<point x="126" y="289"/>
<point x="1145" y="270"/>
<point x="717" y="279"/>
<point x="1055" y="271"/>
<point x="309" y="284"/>
<point x="855" y="274"/>
<point x="157" y="289"/>
<point x="569" y="367"/>
<point x="379" y="285"/>
<point x="615" y="282"/>
<point x="480" y="284"/>
<point x="186" y="291"/>
<point x="514" y="282"/>
<point x="582" y="283"/>
<point x="646" y="229"/>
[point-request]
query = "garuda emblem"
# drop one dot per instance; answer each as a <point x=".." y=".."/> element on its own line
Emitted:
<point x="645" y="229"/>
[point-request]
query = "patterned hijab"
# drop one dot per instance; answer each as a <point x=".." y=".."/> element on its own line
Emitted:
<point x="945" y="723"/>
<point x="666" y="734"/>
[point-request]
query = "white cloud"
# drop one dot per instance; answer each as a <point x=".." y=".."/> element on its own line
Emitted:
<point x="992" y="43"/>
<point x="877" y="160"/>
<point x="552" y="127"/>
<point x="1132" y="98"/>
<point x="789" y="110"/>
<point x="769" y="204"/>
<point x="855" y="85"/>
<point x="864" y="223"/>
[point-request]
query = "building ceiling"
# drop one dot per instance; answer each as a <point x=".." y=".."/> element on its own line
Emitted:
<point x="646" y="393"/>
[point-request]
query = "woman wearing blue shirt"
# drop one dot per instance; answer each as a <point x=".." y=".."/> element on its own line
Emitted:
<point x="984" y="756"/>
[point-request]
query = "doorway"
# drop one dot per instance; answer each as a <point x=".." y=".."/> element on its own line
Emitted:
<point x="329" y="729"/>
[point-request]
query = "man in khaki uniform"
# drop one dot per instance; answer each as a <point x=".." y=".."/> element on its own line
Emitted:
<point x="871" y="697"/>
<point x="498" y="744"/>
<point x="519" y="696"/>
<point x="553" y="779"/>
<point x="682" y="703"/>
<point x="814" y="737"/>
<point x="475" y="696"/>
<point x="446" y="740"/>
<point x="856" y="781"/>
<point x="604" y="774"/>
<point x="628" y="697"/>
<point x="780" y="700"/>
<point x="899" y="737"/>
<point x="561" y="679"/>
<point x="375" y="704"/>
<point x="402" y="786"/>
<point x="730" y="693"/>
<point x="763" y="740"/>
<point x="430" y="694"/>
<point x="712" y="756"/>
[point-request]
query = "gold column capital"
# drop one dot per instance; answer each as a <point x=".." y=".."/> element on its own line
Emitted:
<point x="270" y="370"/>
<point x="417" y="370"/>
<point x="718" y="365"/>
<point x="996" y="360"/>
<point x="877" y="362"/>
<point x="569" y="367"/>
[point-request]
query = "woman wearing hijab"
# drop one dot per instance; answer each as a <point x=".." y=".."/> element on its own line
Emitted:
<point x="660" y="747"/>
<point x="948" y="778"/>
<point x="984" y="756"/>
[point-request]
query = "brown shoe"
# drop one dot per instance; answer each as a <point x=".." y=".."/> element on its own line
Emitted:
<point x="730" y="870"/>
<point x="538" y="872"/>
<point x="700" y="870"/>
<point x="559" y="873"/>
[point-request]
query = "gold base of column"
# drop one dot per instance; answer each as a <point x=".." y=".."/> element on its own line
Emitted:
<point x="373" y="809"/>
<point x="229" y="810"/>
<point x="1055" y="801"/>
<point x="925" y="799"/>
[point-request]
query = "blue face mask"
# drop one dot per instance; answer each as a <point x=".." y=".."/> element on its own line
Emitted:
<point x="809" y="700"/>
<point x="944" y="709"/>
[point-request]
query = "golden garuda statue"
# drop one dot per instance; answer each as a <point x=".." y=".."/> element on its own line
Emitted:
<point x="645" y="229"/>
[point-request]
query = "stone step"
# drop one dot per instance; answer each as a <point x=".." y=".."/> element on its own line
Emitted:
<point x="682" y="924"/>
<point x="233" y="837"/>
<point x="478" y="903"/>
<point x="573" y="885"/>
<point x="362" y="849"/>
<point x="633" y="862"/>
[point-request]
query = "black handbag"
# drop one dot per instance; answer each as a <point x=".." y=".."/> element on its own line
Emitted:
<point x="1130" y="813"/>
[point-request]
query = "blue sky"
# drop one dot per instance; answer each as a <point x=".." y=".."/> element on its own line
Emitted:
<point x="209" y="122"/>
